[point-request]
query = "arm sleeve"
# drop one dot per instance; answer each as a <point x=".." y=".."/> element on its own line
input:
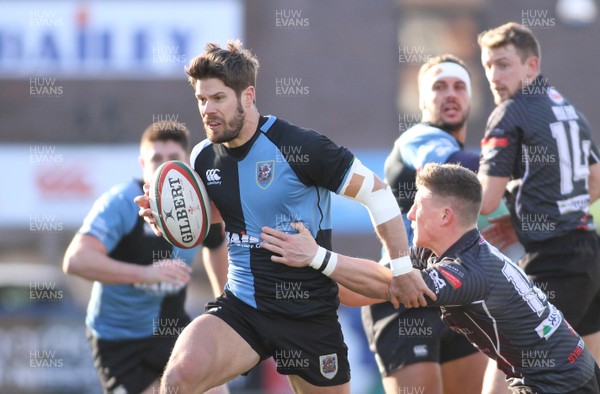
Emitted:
<point x="466" y="159"/>
<point x="318" y="160"/>
<point x="500" y="147"/>
<point x="454" y="283"/>
<point x="215" y="236"/>
<point x="112" y="216"/>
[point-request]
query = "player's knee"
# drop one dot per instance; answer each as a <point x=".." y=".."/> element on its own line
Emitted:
<point x="186" y="376"/>
<point x="177" y="379"/>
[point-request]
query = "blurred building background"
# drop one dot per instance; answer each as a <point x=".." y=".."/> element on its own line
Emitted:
<point x="80" y="81"/>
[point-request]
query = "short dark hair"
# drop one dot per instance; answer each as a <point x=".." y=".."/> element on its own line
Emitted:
<point x="166" y="131"/>
<point x="451" y="181"/>
<point x="235" y="66"/>
<point x="511" y="33"/>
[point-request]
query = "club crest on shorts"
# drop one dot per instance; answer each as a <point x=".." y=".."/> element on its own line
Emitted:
<point x="264" y="173"/>
<point x="328" y="364"/>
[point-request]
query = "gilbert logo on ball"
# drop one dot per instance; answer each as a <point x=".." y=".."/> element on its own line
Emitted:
<point x="180" y="204"/>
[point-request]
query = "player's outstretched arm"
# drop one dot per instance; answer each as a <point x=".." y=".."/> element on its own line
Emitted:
<point x="365" y="277"/>
<point x="298" y="250"/>
<point x="354" y="299"/>
<point x="88" y="258"/>
<point x="365" y="187"/>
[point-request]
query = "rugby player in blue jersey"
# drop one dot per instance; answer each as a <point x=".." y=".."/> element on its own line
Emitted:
<point x="480" y="292"/>
<point x="136" y="309"/>
<point x="413" y="347"/>
<point x="263" y="171"/>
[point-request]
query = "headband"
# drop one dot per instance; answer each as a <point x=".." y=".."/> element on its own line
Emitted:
<point x="447" y="69"/>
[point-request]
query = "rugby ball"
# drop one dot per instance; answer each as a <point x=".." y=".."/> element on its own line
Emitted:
<point x="180" y="204"/>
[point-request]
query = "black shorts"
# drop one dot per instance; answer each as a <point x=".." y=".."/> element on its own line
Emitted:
<point x="131" y="366"/>
<point x="401" y="337"/>
<point x="592" y="386"/>
<point x="567" y="269"/>
<point x="311" y="347"/>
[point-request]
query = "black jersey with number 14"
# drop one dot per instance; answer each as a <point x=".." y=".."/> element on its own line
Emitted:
<point x="543" y="143"/>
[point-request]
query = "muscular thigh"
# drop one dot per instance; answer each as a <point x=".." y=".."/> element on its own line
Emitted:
<point x="311" y="348"/>
<point x="214" y="349"/>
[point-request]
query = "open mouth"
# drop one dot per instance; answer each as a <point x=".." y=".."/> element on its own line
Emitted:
<point x="451" y="109"/>
<point x="212" y="124"/>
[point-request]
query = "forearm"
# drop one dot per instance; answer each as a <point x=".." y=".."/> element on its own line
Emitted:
<point x="364" y="277"/>
<point x="392" y="235"/>
<point x="216" y="267"/>
<point x="351" y="298"/>
<point x="93" y="265"/>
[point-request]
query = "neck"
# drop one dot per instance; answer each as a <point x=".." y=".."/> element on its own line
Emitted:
<point x="460" y="134"/>
<point x="248" y="129"/>
<point x="442" y="245"/>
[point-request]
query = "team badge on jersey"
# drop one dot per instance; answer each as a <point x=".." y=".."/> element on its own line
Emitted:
<point x="556" y="97"/>
<point x="328" y="364"/>
<point x="438" y="282"/>
<point x="264" y="173"/>
<point x="550" y="324"/>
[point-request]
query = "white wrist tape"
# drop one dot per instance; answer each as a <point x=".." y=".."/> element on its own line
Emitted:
<point x="318" y="259"/>
<point x="332" y="263"/>
<point x="324" y="261"/>
<point x="381" y="204"/>
<point x="401" y="265"/>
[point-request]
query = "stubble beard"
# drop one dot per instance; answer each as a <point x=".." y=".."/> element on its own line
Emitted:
<point x="231" y="129"/>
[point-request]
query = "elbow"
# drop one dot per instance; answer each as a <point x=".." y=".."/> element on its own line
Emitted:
<point x="67" y="265"/>
<point x="486" y="210"/>
<point x="487" y="207"/>
<point x="71" y="264"/>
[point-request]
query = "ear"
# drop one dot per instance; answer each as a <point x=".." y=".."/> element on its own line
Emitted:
<point x="248" y="96"/>
<point x="533" y="66"/>
<point x="141" y="160"/>
<point x="447" y="216"/>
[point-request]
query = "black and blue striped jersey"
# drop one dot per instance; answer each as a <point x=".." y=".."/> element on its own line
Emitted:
<point x="483" y="295"/>
<point x="283" y="174"/>
<point x="543" y="143"/>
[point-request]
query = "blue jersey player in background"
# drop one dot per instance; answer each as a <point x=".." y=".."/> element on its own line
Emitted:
<point x="413" y="347"/>
<point x="136" y="309"/>
<point x="263" y="171"/>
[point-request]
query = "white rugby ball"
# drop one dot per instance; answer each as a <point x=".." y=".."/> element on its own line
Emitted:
<point x="180" y="204"/>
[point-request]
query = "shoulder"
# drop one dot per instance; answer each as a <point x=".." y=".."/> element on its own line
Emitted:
<point x="423" y="134"/>
<point x="280" y="129"/>
<point x="125" y="191"/>
<point x="198" y="149"/>
<point x="507" y="117"/>
<point x="114" y="209"/>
